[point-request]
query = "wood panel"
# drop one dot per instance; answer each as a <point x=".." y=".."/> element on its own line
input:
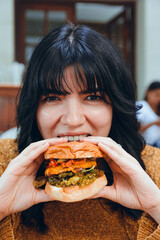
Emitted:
<point x="120" y="32"/>
<point x="7" y="107"/>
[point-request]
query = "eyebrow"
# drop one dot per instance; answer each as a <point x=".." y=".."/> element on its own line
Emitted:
<point x="89" y="91"/>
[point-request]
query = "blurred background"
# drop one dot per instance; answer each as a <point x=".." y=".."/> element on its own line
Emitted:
<point x="133" y="26"/>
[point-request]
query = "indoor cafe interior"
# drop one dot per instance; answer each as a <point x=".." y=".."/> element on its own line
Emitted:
<point x="132" y="25"/>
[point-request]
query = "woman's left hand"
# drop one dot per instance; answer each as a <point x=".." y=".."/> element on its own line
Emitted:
<point x="132" y="186"/>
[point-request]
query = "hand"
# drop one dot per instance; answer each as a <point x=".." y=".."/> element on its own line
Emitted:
<point x="157" y="122"/>
<point x="145" y="127"/>
<point x="132" y="186"/>
<point x="17" y="192"/>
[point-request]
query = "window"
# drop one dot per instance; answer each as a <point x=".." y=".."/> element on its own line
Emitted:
<point x="113" y="18"/>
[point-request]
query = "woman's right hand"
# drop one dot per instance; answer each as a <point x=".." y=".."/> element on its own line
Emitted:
<point x="17" y="192"/>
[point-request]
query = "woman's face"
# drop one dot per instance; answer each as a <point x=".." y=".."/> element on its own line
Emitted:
<point x="74" y="114"/>
<point x="153" y="97"/>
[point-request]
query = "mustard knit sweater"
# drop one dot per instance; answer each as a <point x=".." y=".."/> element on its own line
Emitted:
<point x="92" y="219"/>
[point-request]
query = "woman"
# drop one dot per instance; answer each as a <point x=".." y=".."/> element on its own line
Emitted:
<point x="77" y="85"/>
<point x="149" y="115"/>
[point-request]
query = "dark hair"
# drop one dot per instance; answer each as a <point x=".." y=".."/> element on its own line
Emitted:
<point x="153" y="86"/>
<point x="102" y="66"/>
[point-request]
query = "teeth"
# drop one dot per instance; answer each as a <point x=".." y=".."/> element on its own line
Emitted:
<point x="75" y="138"/>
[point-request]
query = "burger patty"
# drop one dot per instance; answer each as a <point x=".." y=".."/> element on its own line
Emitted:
<point x="71" y="179"/>
<point x="67" y="179"/>
<point x="65" y="173"/>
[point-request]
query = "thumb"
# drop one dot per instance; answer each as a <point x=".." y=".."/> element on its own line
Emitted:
<point x="107" y="192"/>
<point x="42" y="196"/>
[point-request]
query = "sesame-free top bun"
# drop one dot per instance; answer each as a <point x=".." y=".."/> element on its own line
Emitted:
<point x="73" y="150"/>
<point x="76" y="193"/>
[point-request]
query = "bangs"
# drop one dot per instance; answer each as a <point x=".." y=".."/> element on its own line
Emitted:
<point x="85" y="78"/>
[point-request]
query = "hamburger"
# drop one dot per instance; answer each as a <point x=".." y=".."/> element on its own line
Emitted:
<point x="71" y="172"/>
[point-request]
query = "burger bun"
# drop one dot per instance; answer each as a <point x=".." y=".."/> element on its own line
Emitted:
<point x="76" y="193"/>
<point x="73" y="150"/>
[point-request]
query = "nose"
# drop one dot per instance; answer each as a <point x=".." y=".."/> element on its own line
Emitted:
<point x="73" y="114"/>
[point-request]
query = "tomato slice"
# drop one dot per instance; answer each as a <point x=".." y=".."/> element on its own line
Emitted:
<point x="53" y="163"/>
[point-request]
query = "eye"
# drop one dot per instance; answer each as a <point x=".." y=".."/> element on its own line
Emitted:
<point x="94" y="97"/>
<point x="51" y="98"/>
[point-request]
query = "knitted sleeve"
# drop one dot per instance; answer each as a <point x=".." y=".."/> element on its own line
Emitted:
<point x="148" y="228"/>
<point x="6" y="229"/>
<point x="8" y="151"/>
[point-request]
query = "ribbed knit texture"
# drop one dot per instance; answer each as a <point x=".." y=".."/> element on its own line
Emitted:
<point x="6" y="229"/>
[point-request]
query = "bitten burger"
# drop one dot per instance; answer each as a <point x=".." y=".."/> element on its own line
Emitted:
<point x="71" y="171"/>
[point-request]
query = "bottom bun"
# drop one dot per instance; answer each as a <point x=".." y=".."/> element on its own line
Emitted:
<point x="76" y="193"/>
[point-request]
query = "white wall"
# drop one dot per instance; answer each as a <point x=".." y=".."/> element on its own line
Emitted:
<point x="148" y="43"/>
<point x="6" y="38"/>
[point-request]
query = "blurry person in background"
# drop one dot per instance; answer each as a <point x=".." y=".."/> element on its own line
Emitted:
<point x="149" y="115"/>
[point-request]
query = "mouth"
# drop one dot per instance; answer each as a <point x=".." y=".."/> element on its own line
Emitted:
<point x="72" y="138"/>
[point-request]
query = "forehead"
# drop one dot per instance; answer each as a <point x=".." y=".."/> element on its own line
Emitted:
<point x="74" y="80"/>
<point x="155" y="91"/>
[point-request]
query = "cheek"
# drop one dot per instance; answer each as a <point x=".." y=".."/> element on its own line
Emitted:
<point x="44" y="121"/>
<point x="101" y="119"/>
<point x="42" y="117"/>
